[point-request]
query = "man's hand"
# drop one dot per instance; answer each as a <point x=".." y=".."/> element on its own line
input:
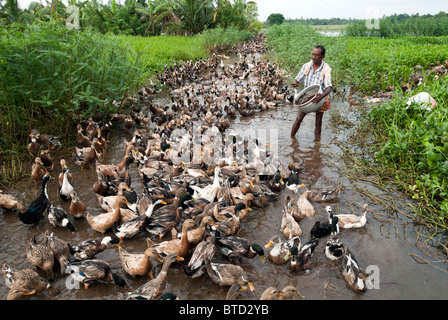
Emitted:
<point x="318" y="98"/>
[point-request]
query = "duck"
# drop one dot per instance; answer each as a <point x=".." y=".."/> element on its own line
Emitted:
<point x="321" y="194"/>
<point x="271" y="293"/>
<point x="9" y="202"/>
<point x="292" y="208"/>
<point x="352" y="221"/>
<point x="46" y="140"/>
<point x="22" y="282"/>
<point x="305" y="207"/>
<point x="155" y="288"/>
<point x="57" y="217"/>
<point x="196" y="265"/>
<point x="130" y="228"/>
<point x="46" y="159"/>
<point x="281" y="248"/>
<point x="353" y="276"/>
<point x="35" y="211"/>
<point x="167" y="217"/>
<point x="91" y="128"/>
<point x="86" y="156"/>
<point x="66" y="188"/>
<point x="63" y="164"/>
<point x="276" y="183"/>
<point x="60" y="249"/>
<point x="196" y="235"/>
<point x="210" y="191"/>
<point x="301" y="259"/>
<point x="289" y="226"/>
<point x="226" y="274"/>
<point x="234" y="291"/>
<point x="82" y="140"/>
<point x="236" y="247"/>
<point x="297" y="165"/>
<point x="334" y="248"/>
<point x="180" y="247"/>
<point x="139" y="264"/>
<point x="324" y="229"/>
<point x="37" y="170"/>
<point x="33" y="147"/>
<point x="108" y="202"/>
<point x="291" y="292"/>
<point x="89" y="272"/>
<point x="88" y="249"/>
<point x="293" y="182"/>
<point x="104" y="188"/>
<point x="105" y="221"/>
<point x="40" y="256"/>
<point x="77" y="208"/>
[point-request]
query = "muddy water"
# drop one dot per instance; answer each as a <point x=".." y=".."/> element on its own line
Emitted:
<point x="389" y="242"/>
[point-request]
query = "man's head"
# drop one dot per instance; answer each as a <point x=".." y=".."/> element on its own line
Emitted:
<point x="318" y="54"/>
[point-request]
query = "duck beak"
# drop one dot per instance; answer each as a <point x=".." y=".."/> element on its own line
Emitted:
<point x="180" y="259"/>
<point x="28" y="293"/>
<point x="280" y="294"/>
<point x="287" y="256"/>
<point x="242" y="288"/>
<point x="263" y="259"/>
<point x="268" y="244"/>
<point x="251" y="287"/>
<point x="118" y="245"/>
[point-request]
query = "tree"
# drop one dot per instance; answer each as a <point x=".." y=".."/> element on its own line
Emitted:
<point x="195" y="15"/>
<point x="275" y="18"/>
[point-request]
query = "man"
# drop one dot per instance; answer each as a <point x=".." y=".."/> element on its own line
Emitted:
<point x="313" y="72"/>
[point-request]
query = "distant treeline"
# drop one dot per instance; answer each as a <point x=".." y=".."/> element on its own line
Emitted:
<point x="402" y="25"/>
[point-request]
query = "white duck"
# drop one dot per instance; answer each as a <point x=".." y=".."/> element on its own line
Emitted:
<point x="210" y="191"/>
<point x="352" y="221"/>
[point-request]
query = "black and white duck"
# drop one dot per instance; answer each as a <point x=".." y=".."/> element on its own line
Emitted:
<point x="35" y="211"/>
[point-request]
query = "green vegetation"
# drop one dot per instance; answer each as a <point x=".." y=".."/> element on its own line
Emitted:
<point x="140" y="17"/>
<point x="49" y="74"/>
<point x="156" y="52"/>
<point x="220" y="39"/>
<point x="406" y="145"/>
<point x="275" y="19"/>
<point x="403" y="25"/>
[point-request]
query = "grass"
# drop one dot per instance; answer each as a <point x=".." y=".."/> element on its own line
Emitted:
<point x="156" y="52"/>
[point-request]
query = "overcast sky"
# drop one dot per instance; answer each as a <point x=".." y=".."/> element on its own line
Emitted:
<point x="357" y="9"/>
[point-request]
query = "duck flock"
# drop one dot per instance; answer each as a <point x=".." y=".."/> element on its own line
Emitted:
<point x="197" y="182"/>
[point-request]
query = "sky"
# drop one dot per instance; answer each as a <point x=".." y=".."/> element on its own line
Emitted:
<point x="357" y="9"/>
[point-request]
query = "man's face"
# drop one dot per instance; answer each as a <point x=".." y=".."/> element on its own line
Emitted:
<point x="317" y="56"/>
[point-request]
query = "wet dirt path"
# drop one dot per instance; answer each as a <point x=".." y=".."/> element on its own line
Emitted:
<point x="388" y="242"/>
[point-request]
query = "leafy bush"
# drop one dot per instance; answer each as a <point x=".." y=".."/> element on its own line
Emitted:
<point x="49" y="73"/>
<point x="415" y="145"/>
<point x="222" y="39"/>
